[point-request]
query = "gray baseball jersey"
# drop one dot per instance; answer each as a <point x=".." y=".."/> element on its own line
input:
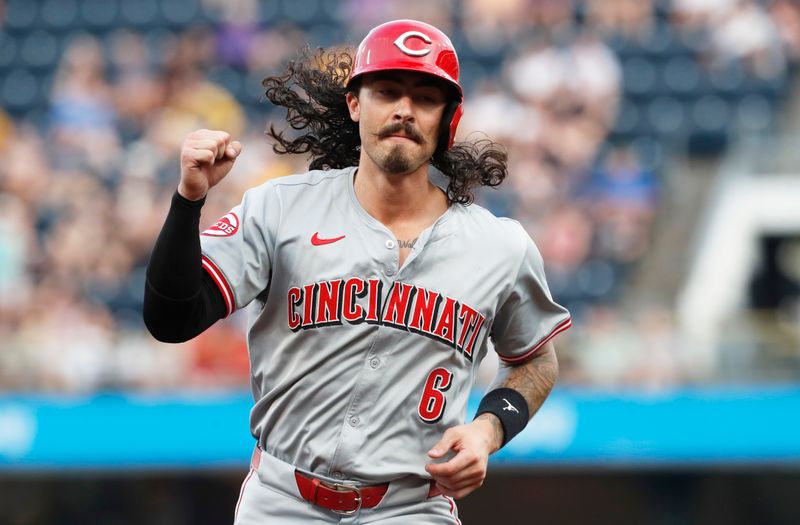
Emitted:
<point x="358" y="366"/>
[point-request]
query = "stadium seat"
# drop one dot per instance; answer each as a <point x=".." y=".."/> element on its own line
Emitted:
<point x="252" y="90"/>
<point x="100" y="14"/>
<point x="268" y="11"/>
<point x="667" y="115"/>
<point x="711" y="113"/>
<point x="300" y="12"/>
<point x="471" y="73"/>
<point x="681" y="75"/>
<point x="649" y="150"/>
<point x="770" y="88"/>
<point x="8" y="51"/>
<point x="39" y="49"/>
<point x="230" y="79"/>
<point x="324" y="35"/>
<point x="19" y="91"/>
<point x="754" y="113"/>
<point x="178" y="13"/>
<point x="488" y="52"/>
<point x="59" y="14"/>
<point x="638" y="77"/>
<point x="155" y="40"/>
<point x="141" y="13"/>
<point x="727" y="80"/>
<point x="624" y="47"/>
<point x="332" y="11"/>
<point x="660" y="43"/>
<point x="628" y="118"/>
<point x="596" y="280"/>
<point x="20" y="14"/>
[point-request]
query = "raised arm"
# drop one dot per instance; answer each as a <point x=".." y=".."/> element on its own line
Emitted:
<point x="180" y="299"/>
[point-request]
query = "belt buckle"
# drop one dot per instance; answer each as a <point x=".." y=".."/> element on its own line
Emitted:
<point x="341" y="487"/>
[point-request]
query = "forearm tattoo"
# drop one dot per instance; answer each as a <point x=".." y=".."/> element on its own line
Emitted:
<point x="533" y="379"/>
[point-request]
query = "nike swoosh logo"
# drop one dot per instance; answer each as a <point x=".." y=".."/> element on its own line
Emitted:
<point x="316" y="241"/>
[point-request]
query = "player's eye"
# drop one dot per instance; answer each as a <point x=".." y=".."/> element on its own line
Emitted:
<point x="429" y="98"/>
<point x="387" y="92"/>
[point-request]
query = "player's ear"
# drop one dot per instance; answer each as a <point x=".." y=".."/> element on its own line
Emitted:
<point x="353" y="106"/>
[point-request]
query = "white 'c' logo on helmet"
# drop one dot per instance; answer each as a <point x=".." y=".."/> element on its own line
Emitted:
<point x="401" y="43"/>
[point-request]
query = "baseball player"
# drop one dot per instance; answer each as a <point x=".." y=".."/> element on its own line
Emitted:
<point x="373" y="292"/>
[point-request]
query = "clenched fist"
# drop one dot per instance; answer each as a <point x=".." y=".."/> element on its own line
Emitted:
<point x="206" y="157"/>
<point x="473" y="443"/>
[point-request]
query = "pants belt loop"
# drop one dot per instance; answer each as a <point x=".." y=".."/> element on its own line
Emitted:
<point x="315" y="482"/>
<point x="255" y="459"/>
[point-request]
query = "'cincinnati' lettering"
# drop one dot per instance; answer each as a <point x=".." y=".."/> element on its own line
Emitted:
<point x="404" y="307"/>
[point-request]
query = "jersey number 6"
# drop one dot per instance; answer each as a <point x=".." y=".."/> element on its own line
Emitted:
<point x="432" y="403"/>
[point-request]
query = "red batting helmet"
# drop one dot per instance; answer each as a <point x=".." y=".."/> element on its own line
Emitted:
<point x="413" y="46"/>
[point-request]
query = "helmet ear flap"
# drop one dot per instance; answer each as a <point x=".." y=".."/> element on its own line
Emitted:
<point x="447" y="128"/>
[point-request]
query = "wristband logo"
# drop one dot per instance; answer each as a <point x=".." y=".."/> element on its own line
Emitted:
<point x="226" y="226"/>
<point x="509" y="406"/>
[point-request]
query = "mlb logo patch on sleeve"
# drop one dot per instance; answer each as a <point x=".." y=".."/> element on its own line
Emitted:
<point x="224" y="227"/>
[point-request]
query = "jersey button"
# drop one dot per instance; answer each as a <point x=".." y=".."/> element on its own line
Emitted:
<point x="390" y="244"/>
<point x="374" y="362"/>
<point x="389" y="271"/>
<point x="338" y="475"/>
<point x="354" y="421"/>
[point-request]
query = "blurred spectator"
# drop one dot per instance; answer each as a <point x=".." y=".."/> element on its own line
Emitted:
<point x="25" y="171"/>
<point x="565" y="240"/>
<point x="489" y="27"/>
<point x="218" y="357"/>
<point x="237" y="30"/>
<point x="63" y="341"/>
<point x="136" y="90"/>
<point x="745" y="32"/>
<point x="83" y="119"/>
<point x="554" y="16"/>
<point x="629" y="18"/>
<point x="538" y="72"/>
<point x="191" y="100"/>
<point x="699" y="13"/>
<point x="622" y="197"/>
<point x="596" y="76"/>
<point x="663" y="360"/>
<point x="614" y="353"/>
<point x="271" y="47"/>
<point x="17" y="247"/>
<point x="6" y="130"/>
<point x="497" y="114"/>
<point x="786" y="15"/>
<point x="575" y="89"/>
<point x="606" y="349"/>
<point x="363" y="15"/>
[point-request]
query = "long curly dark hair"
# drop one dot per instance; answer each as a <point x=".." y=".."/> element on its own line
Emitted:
<point x="313" y="92"/>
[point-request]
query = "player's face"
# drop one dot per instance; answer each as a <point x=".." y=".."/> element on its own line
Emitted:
<point x="399" y="114"/>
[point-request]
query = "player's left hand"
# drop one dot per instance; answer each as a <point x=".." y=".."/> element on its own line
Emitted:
<point x="464" y="472"/>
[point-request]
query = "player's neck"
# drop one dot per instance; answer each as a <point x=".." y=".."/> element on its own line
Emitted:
<point x="392" y="198"/>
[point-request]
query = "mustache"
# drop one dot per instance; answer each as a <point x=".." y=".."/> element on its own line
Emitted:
<point x="404" y="128"/>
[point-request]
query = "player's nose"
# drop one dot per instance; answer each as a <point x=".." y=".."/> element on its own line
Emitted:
<point x="404" y="109"/>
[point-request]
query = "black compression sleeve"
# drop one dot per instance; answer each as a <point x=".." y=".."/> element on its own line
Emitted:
<point x="180" y="299"/>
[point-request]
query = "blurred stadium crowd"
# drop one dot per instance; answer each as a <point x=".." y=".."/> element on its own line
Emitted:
<point x="591" y="99"/>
